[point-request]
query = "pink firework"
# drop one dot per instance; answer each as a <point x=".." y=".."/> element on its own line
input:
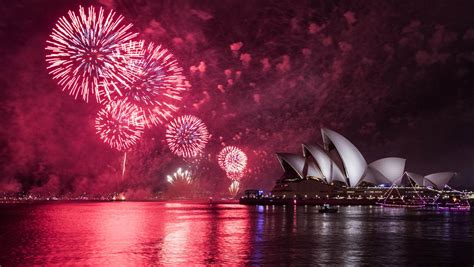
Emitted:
<point x="155" y="80"/>
<point x="187" y="136"/>
<point x="119" y="124"/>
<point x="232" y="160"/>
<point x="81" y="51"/>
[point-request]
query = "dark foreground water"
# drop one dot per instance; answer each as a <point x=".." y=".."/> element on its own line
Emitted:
<point x="151" y="233"/>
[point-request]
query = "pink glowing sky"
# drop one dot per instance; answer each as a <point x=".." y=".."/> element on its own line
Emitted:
<point x="394" y="77"/>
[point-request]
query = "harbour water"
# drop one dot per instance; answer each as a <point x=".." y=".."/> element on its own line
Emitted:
<point x="184" y="233"/>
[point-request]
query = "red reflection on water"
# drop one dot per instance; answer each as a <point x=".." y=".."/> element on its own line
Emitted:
<point x="130" y="234"/>
<point x="118" y="233"/>
<point x="206" y="236"/>
<point x="182" y="235"/>
<point x="101" y="233"/>
<point x="233" y="236"/>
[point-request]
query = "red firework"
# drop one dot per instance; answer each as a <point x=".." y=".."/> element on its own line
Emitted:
<point x="187" y="136"/>
<point x="119" y="124"/>
<point x="81" y="51"/>
<point x="155" y="81"/>
<point x="232" y="160"/>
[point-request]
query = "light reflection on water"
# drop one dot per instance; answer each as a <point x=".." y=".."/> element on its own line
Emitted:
<point x="153" y="233"/>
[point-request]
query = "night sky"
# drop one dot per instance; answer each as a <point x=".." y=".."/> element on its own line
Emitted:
<point x="394" y="77"/>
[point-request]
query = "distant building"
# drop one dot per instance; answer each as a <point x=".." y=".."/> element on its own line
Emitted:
<point x="339" y="163"/>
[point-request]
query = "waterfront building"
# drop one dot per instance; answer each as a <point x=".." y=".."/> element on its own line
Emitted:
<point x="337" y="170"/>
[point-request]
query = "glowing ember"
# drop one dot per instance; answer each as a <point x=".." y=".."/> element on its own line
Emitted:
<point x="180" y="177"/>
<point x="119" y="124"/>
<point x="81" y="51"/>
<point x="187" y="136"/>
<point x="232" y="159"/>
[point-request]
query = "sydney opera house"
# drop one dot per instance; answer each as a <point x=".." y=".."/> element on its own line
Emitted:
<point x="337" y="170"/>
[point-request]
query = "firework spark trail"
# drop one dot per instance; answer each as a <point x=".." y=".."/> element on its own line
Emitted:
<point x="187" y="136"/>
<point x="180" y="176"/>
<point x="124" y="164"/>
<point x="154" y="80"/>
<point x="120" y="125"/>
<point x="234" y="188"/>
<point x="81" y="51"/>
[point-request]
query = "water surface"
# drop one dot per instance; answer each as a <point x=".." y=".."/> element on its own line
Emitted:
<point x="157" y="233"/>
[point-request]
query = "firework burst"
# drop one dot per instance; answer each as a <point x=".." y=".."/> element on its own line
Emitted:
<point x="180" y="176"/>
<point x="155" y="81"/>
<point x="81" y="51"/>
<point x="187" y="136"/>
<point x="120" y="125"/>
<point x="232" y="160"/>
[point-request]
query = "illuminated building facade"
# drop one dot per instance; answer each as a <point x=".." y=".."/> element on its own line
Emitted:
<point x="338" y="165"/>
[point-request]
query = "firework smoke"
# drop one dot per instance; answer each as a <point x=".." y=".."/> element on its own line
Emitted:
<point x="382" y="73"/>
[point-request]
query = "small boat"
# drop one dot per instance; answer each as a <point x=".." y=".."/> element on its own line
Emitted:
<point x="327" y="209"/>
<point x="398" y="201"/>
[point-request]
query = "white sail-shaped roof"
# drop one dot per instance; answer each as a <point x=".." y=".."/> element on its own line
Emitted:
<point x="341" y="161"/>
<point x="312" y="170"/>
<point x="427" y="182"/>
<point x="293" y="161"/>
<point x="391" y="168"/>
<point x="328" y="167"/>
<point x="417" y="178"/>
<point x="354" y="163"/>
<point x="374" y="176"/>
<point x="440" y="179"/>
